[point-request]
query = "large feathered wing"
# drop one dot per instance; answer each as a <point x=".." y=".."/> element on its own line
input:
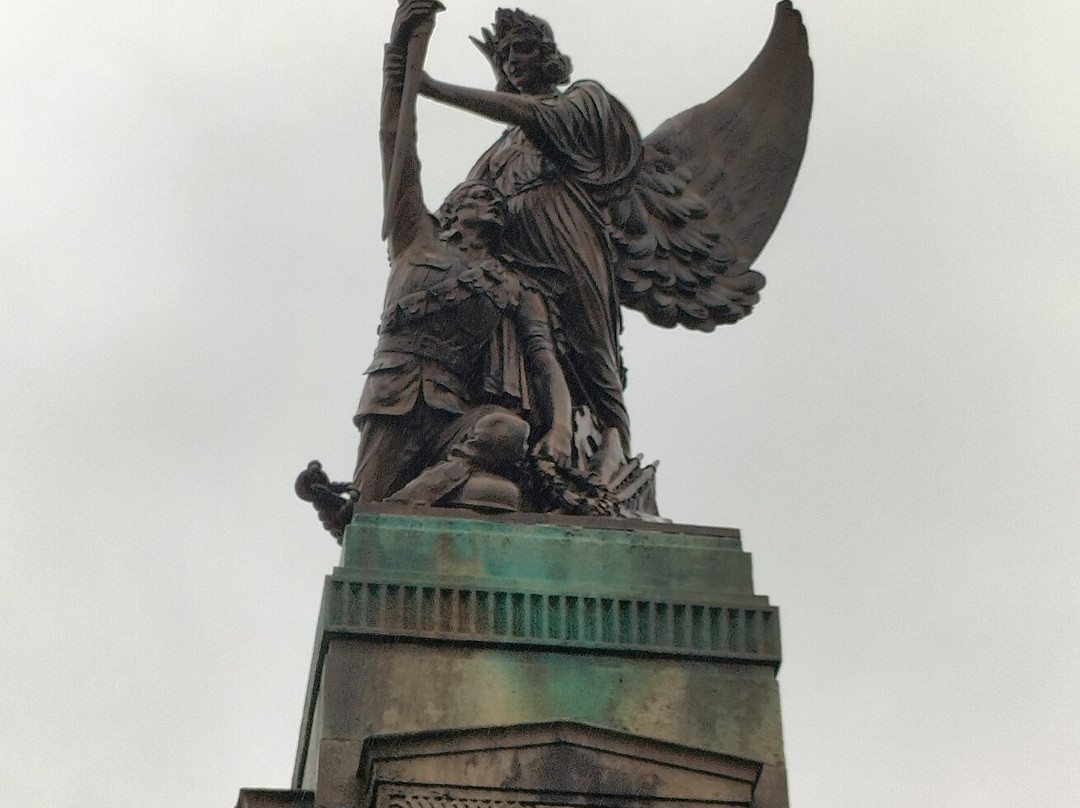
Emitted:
<point x="712" y="185"/>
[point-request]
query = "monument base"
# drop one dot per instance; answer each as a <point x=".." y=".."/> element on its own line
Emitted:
<point x="467" y="660"/>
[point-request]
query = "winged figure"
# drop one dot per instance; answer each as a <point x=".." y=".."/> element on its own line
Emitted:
<point x="466" y="381"/>
<point x="668" y="224"/>
<point x="498" y="381"/>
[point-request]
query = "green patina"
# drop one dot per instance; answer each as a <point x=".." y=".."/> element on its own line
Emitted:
<point x="659" y="559"/>
<point x="444" y="621"/>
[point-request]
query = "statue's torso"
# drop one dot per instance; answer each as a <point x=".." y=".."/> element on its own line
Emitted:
<point x="442" y="312"/>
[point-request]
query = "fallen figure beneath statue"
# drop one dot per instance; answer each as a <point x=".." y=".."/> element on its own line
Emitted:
<point x="466" y="370"/>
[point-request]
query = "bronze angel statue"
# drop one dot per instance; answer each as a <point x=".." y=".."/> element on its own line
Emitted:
<point x="506" y="308"/>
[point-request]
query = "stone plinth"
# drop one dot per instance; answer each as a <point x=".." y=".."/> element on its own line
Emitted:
<point x="547" y="765"/>
<point x="638" y="641"/>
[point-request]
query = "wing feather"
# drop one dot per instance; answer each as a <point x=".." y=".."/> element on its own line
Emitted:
<point x="712" y="185"/>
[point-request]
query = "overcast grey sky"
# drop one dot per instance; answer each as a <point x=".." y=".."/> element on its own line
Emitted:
<point x="191" y="277"/>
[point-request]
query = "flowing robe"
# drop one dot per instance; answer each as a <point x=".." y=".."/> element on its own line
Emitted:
<point x="582" y="152"/>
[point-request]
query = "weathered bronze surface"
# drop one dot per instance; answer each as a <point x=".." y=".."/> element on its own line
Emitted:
<point x="497" y="383"/>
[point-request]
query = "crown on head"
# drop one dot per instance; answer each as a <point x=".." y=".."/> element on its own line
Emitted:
<point x="518" y="24"/>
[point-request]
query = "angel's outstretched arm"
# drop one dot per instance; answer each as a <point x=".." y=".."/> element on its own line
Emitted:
<point x="508" y="108"/>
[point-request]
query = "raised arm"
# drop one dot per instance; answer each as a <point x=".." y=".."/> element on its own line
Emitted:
<point x="405" y="215"/>
<point x="508" y="108"/>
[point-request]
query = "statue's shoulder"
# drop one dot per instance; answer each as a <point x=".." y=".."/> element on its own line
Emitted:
<point x="427" y="254"/>
<point x="456" y="280"/>
<point x="586" y="87"/>
<point x="591" y="98"/>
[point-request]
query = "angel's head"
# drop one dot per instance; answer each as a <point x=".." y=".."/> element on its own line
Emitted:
<point x="524" y="54"/>
<point x="474" y="208"/>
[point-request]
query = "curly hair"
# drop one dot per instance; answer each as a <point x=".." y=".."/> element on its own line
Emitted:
<point x="447" y="212"/>
<point x="517" y="24"/>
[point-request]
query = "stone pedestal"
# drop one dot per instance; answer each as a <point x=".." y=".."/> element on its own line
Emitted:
<point x="524" y="660"/>
<point x="568" y="662"/>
